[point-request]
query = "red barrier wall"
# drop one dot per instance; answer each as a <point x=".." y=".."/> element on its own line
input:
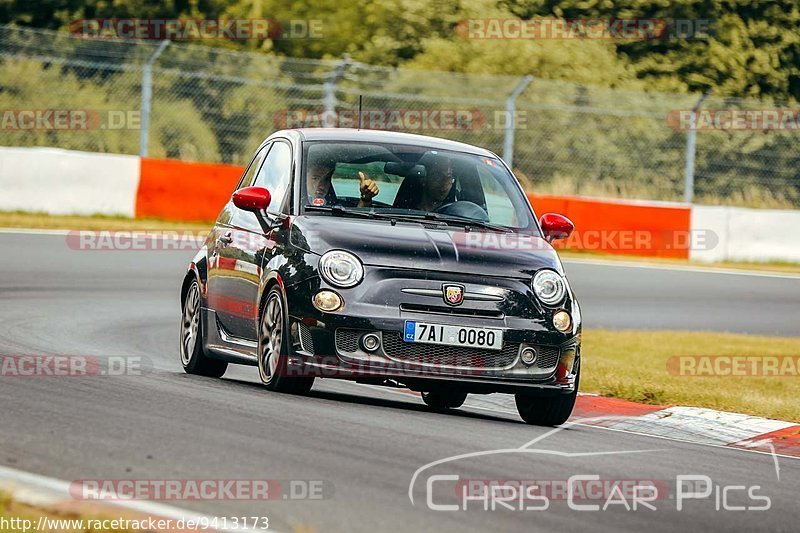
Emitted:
<point x="621" y="227"/>
<point x="178" y="190"/>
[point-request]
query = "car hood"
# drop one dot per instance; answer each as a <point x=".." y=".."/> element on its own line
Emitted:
<point x="423" y="247"/>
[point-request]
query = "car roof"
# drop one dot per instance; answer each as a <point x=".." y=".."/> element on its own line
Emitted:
<point x="394" y="137"/>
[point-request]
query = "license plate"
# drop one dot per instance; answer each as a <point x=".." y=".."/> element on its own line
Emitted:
<point x="486" y="338"/>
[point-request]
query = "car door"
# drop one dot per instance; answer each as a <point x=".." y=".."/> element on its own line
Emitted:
<point x="222" y="263"/>
<point x="244" y="247"/>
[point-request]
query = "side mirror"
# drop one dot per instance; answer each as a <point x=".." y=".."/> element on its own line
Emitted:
<point x="252" y="198"/>
<point x="556" y="226"/>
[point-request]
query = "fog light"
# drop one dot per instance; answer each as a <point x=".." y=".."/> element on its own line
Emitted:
<point x="528" y="355"/>
<point x="370" y="342"/>
<point x="562" y="321"/>
<point x="327" y="301"/>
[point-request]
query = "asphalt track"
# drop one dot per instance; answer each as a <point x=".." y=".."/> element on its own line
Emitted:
<point x="363" y="442"/>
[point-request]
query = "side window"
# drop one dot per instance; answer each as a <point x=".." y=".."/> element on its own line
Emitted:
<point x="230" y="215"/>
<point x="276" y="174"/>
<point x="247" y="179"/>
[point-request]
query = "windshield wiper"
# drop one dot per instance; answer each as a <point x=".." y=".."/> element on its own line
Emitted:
<point x="339" y="211"/>
<point x="462" y="221"/>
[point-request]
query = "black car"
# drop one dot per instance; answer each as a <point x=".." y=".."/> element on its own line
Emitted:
<point x="386" y="258"/>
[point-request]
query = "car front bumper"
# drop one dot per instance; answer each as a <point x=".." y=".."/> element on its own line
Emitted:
<point x="329" y="345"/>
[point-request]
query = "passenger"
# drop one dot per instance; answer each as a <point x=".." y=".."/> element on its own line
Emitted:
<point x="321" y="191"/>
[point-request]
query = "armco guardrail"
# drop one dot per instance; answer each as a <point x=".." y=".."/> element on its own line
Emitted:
<point x="180" y="190"/>
<point x="653" y="229"/>
<point x="748" y="234"/>
<point x="69" y="182"/>
<point x="62" y="182"/>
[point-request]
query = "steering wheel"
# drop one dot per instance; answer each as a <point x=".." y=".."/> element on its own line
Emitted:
<point x="463" y="209"/>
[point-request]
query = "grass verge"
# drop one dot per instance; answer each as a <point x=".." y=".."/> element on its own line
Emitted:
<point x="769" y="266"/>
<point x="14" y="219"/>
<point x="14" y="514"/>
<point x="633" y="365"/>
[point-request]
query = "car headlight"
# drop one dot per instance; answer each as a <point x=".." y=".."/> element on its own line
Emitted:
<point x="549" y="286"/>
<point x="341" y="268"/>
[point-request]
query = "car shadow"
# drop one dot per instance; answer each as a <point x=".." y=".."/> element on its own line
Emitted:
<point x="366" y="399"/>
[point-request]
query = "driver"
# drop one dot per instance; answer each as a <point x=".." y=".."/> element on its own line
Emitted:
<point x="321" y="191"/>
<point x="438" y="189"/>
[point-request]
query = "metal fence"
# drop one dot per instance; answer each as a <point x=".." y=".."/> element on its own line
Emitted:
<point x="216" y="104"/>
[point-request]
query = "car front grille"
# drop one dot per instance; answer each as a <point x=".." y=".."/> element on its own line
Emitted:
<point x="547" y="358"/>
<point x="436" y="355"/>
<point x="440" y="355"/>
<point x="450" y="311"/>
<point x="347" y="339"/>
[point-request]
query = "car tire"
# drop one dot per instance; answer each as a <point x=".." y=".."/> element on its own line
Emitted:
<point x="193" y="355"/>
<point x="441" y="401"/>
<point x="273" y="348"/>
<point x="547" y="410"/>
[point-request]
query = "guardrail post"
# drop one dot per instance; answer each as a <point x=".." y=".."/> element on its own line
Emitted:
<point x="511" y="109"/>
<point x="329" y="92"/>
<point x="691" y="149"/>
<point x="147" y="96"/>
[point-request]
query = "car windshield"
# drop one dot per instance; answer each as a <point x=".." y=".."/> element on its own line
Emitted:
<point x="412" y="181"/>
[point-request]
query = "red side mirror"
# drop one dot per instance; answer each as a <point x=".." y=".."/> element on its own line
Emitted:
<point x="252" y="198"/>
<point x="556" y="226"/>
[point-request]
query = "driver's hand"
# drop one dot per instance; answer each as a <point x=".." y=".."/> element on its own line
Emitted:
<point x="368" y="187"/>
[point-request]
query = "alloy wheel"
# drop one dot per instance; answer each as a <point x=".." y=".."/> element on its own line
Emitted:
<point x="271" y="338"/>
<point x="190" y="324"/>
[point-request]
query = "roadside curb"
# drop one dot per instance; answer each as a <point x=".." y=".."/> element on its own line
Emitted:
<point x="53" y="495"/>
<point x="691" y="424"/>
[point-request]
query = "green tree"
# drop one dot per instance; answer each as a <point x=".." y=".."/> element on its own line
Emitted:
<point x="752" y="50"/>
<point x="55" y="14"/>
<point x="177" y="128"/>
